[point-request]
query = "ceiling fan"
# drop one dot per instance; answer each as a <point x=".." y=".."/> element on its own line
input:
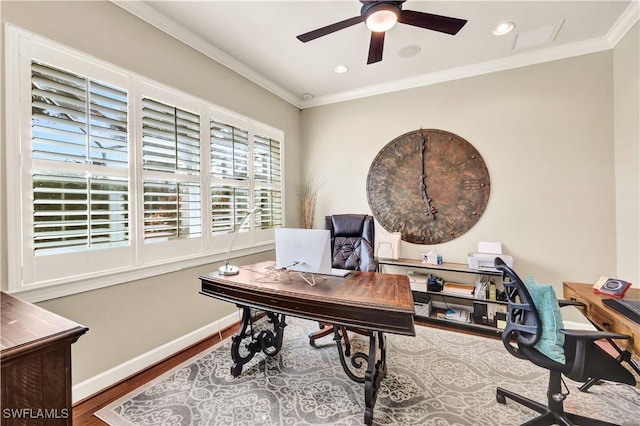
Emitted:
<point x="380" y="16"/>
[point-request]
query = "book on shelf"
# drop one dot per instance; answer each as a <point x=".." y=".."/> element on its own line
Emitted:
<point x="458" y="289"/>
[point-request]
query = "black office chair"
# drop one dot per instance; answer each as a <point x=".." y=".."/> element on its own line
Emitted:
<point x="352" y="239"/>
<point x="584" y="358"/>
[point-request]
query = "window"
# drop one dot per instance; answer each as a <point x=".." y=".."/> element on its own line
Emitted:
<point x="77" y="122"/>
<point x="171" y="148"/>
<point x="267" y="173"/>
<point x="245" y="174"/>
<point x="119" y="178"/>
<point x="229" y="175"/>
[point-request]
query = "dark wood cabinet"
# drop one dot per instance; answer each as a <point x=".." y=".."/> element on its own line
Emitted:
<point x="35" y="357"/>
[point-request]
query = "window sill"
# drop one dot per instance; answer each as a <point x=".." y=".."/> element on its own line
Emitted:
<point x="82" y="284"/>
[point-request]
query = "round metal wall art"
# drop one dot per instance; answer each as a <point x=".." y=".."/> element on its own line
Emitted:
<point x="430" y="185"/>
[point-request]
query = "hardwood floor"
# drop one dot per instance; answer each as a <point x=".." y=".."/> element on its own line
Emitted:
<point x="83" y="410"/>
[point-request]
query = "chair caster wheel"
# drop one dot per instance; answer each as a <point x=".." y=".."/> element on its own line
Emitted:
<point x="501" y="399"/>
<point x="236" y="369"/>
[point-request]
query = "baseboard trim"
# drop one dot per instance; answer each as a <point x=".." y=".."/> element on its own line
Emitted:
<point x="120" y="372"/>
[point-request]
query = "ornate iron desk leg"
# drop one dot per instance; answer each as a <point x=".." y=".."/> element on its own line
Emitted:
<point x="376" y="368"/>
<point x="265" y="340"/>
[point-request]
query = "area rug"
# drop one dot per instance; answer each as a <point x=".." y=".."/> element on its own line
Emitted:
<point x="437" y="378"/>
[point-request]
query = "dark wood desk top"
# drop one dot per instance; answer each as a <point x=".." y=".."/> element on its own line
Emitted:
<point x="379" y="302"/>
<point x="604" y="317"/>
<point x="27" y="327"/>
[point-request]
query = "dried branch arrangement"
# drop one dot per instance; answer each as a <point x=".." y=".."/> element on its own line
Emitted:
<point x="307" y="196"/>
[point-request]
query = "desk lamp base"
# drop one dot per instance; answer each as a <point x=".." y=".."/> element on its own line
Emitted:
<point x="227" y="270"/>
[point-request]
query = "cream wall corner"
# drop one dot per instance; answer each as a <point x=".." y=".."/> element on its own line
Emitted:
<point x="626" y="66"/>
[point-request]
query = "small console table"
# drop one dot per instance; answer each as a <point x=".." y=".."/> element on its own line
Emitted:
<point x="35" y="355"/>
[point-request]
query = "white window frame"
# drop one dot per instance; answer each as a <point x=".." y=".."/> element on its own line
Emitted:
<point x="44" y="277"/>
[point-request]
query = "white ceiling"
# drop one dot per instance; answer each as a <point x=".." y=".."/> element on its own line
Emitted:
<point x="257" y="39"/>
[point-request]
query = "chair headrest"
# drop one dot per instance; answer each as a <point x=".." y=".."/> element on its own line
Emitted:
<point x="348" y="225"/>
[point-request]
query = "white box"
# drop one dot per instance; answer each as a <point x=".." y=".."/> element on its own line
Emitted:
<point x="422" y="309"/>
<point x="387" y="245"/>
<point x="422" y="304"/>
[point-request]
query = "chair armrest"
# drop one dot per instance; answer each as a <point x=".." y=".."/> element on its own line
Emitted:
<point x="592" y="335"/>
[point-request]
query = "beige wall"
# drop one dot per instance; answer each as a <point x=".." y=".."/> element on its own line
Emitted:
<point x="130" y="319"/>
<point x="626" y="66"/>
<point x="546" y="133"/>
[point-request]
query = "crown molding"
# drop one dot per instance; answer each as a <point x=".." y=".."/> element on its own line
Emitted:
<point x="629" y="17"/>
<point x="152" y="17"/>
<point x="503" y="64"/>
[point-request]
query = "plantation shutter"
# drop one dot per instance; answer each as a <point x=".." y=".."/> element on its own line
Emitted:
<point x="270" y="203"/>
<point x="228" y="205"/>
<point x="79" y="151"/>
<point x="171" y="150"/>
<point x="268" y="175"/>
<point x="266" y="160"/>
<point x="229" y="151"/>
<point x="230" y="175"/>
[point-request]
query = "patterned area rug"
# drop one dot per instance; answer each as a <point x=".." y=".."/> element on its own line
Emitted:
<point x="436" y="378"/>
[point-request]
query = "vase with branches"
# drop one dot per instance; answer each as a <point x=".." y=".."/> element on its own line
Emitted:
<point x="307" y="196"/>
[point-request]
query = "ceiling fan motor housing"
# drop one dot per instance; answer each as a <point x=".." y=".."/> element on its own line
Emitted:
<point x="371" y="7"/>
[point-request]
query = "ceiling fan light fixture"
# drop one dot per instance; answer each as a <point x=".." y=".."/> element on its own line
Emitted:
<point x="381" y="17"/>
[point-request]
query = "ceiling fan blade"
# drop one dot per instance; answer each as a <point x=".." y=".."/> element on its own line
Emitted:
<point x="375" y="47"/>
<point x="312" y="35"/>
<point x="443" y="24"/>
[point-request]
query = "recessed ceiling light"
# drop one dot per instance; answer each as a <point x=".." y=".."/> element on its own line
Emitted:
<point x="341" y="69"/>
<point x="409" y="51"/>
<point x="504" y="28"/>
<point x="307" y="96"/>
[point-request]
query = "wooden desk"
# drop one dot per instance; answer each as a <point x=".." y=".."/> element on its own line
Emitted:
<point x="377" y="303"/>
<point x="35" y="354"/>
<point x="604" y="317"/>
